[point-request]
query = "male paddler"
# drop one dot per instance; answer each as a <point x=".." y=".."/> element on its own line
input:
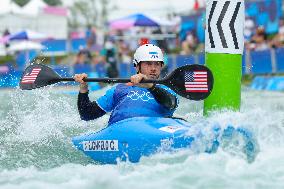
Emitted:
<point x="133" y="99"/>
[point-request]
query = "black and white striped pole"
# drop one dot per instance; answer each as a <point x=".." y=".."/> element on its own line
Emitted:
<point x="224" y="44"/>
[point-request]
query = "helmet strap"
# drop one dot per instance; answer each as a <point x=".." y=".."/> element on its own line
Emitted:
<point x="139" y="68"/>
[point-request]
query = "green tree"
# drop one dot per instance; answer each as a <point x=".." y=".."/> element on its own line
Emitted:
<point x="105" y="11"/>
<point x="89" y="13"/>
<point x="49" y="2"/>
<point x="53" y="2"/>
<point x="87" y="10"/>
<point x="21" y="2"/>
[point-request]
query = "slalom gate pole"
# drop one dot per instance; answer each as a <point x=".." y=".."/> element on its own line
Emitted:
<point x="224" y="44"/>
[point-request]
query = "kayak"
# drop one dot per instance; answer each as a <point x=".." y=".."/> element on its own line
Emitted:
<point x="130" y="139"/>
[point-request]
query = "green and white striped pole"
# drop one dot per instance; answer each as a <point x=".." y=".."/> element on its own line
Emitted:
<point x="224" y="44"/>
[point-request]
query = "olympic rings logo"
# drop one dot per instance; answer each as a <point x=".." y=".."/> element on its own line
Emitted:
<point x="145" y="96"/>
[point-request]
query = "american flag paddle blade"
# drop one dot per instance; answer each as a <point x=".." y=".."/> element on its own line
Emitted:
<point x="192" y="81"/>
<point x="30" y="78"/>
<point x="36" y="76"/>
<point x="196" y="81"/>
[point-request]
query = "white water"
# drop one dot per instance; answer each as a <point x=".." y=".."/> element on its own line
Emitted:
<point x="36" y="128"/>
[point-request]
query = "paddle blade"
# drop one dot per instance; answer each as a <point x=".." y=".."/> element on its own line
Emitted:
<point x="194" y="82"/>
<point x="36" y="76"/>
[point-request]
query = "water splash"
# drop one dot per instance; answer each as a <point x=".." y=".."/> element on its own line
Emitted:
<point x="36" y="128"/>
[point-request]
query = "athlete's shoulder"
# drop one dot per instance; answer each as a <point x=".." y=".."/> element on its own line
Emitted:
<point x="106" y="102"/>
<point x="111" y="89"/>
<point x="121" y="85"/>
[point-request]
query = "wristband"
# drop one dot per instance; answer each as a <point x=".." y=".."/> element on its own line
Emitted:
<point x="84" y="88"/>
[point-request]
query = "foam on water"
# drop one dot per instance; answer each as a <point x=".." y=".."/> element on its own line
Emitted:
<point x="36" y="128"/>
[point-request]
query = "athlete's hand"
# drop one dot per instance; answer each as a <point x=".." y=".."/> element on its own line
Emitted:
<point x="137" y="78"/>
<point x="83" y="85"/>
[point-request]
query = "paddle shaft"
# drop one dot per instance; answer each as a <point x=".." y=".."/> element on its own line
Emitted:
<point x="110" y="80"/>
<point x="39" y="75"/>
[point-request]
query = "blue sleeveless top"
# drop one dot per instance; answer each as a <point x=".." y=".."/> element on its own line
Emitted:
<point x="131" y="101"/>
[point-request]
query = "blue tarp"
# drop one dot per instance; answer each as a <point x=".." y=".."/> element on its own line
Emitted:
<point x="261" y="62"/>
<point x="275" y="83"/>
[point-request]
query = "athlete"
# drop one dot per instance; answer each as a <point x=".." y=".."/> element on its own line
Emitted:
<point x="133" y="99"/>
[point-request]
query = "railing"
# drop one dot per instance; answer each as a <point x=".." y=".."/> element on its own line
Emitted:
<point x="254" y="62"/>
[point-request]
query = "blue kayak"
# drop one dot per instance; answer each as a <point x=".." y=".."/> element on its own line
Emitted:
<point x="130" y="139"/>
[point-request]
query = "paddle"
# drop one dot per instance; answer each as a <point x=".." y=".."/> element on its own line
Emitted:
<point x="194" y="82"/>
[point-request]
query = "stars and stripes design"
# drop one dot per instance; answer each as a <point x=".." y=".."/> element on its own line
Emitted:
<point x="196" y="81"/>
<point x="30" y="78"/>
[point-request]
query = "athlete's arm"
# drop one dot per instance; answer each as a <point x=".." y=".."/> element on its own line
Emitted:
<point x="88" y="110"/>
<point x="164" y="97"/>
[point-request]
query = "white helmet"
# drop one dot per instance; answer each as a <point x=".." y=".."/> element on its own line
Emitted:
<point x="148" y="52"/>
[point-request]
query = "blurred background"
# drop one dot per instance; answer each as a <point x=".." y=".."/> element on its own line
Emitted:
<point x="99" y="37"/>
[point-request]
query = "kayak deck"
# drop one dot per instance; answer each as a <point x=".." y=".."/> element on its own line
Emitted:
<point x="130" y="139"/>
<point x="135" y="137"/>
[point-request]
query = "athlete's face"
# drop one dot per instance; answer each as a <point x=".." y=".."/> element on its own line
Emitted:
<point x="152" y="69"/>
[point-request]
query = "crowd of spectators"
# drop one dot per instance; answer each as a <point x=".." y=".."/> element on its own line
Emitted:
<point x="120" y="45"/>
<point x="258" y="39"/>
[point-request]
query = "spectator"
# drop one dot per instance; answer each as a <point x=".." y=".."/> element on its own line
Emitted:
<point x="99" y="64"/>
<point x="6" y="33"/>
<point x="185" y="50"/>
<point x="83" y="57"/>
<point x="190" y="44"/>
<point x="123" y="52"/>
<point x="177" y="20"/>
<point x="144" y="36"/>
<point x="162" y="43"/>
<point x="192" y="40"/>
<point x="91" y="38"/>
<point x="83" y="62"/>
<point x="91" y="35"/>
<point x="278" y="39"/>
<point x="249" y="27"/>
<point x="110" y="56"/>
<point x="259" y="40"/>
<point x="143" y="41"/>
